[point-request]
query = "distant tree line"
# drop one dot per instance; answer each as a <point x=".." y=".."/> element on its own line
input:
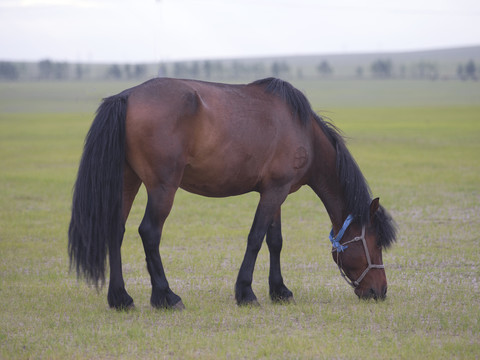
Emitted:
<point x="8" y="71"/>
<point x="385" y="69"/>
<point x="219" y="70"/>
<point x="467" y="71"/>
<point x="324" y="68"/>
<point x="51" y="70"/>
<point x="225" y="70"/>
<point x="127" y="72"/>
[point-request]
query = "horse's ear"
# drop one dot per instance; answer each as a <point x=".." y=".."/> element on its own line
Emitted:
<point x="374" y="205"/>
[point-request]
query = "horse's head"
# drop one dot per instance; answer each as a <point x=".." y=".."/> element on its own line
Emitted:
<point x="357" y="250"/>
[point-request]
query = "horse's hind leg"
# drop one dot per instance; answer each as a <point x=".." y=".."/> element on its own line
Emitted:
<point x="278" y="291"/>
<point x="160" y="201"/>
<point x="117" y="295"/>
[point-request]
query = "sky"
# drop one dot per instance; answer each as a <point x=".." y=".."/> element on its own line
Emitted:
<point x="130" y="31"/>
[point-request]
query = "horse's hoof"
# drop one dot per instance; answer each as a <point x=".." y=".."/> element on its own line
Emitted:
<point x="178" y="306"/>
<point x="281" y="295"/>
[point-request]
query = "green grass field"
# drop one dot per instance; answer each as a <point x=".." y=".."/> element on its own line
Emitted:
<point x="417" y="143"/>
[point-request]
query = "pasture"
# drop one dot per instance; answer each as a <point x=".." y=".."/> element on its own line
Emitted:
<point x="417" y="143"/>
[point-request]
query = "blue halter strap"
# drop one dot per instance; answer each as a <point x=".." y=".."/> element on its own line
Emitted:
<point x="335" y="240"/>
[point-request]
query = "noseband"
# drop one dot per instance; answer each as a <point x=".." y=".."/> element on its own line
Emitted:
<point x="337" y="247"/>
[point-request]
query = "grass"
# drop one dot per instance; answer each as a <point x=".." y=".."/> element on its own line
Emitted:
<point x="421" y="160"/>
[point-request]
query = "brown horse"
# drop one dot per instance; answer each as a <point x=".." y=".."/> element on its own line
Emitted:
<point x="219" y="140"/>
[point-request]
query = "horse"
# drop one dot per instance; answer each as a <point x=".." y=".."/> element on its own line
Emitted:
<point x="219" y="140"/>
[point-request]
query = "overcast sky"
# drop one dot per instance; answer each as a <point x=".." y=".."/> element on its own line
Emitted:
<point x="162" y="30"/>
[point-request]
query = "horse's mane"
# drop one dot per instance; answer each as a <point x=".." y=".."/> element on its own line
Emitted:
<point x="294" y="98"/>
<point x="355" y="188"/>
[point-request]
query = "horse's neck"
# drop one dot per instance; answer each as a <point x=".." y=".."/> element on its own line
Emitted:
<point x="324" y="179"/>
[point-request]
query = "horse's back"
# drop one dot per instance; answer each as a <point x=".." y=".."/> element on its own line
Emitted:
<point x="221" y="139"/>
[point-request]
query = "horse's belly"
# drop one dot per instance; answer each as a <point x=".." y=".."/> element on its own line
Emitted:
<point x="221" y="179"/>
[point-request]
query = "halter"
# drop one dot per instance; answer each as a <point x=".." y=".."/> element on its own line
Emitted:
<point x="335" y="240"/>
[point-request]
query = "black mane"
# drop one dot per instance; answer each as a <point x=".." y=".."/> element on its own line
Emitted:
<point x="294" y="98"/>
<point x="355" y="188"/>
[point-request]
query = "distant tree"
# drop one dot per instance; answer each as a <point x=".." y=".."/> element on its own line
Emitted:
<point x="258" y="70"/>
<point x="79" y="71"/>
<point x="180" y="69"/>
<point x="207" y="69"/>
<point x="425" y="70"/>
<point x="471" y="70"/>
<point x="461" y="71"/>
<point x="60" y="70"/>
<point x="177" y="69"/>
<point x="114" y="72"/>
<point x="140" y="71"/>
<point x="218" y="69"/>
<point x="324" y="68"/>
<point x="8" y="71"/>
<point x="382" y="68"/>
<point x="52" y="70"/>
<point x="276" y="69"/>
<point x="195" y="69"/>
<point x="127" y="68"/>
<point x="45" y="68"/>
<point x="467" y="71"/>
<point x="162" y="70"/>
<point x="237" y="69"/>
<point x="299" y="73"/>
<point x="280" y="69"/>
<point x="359" y="71"/>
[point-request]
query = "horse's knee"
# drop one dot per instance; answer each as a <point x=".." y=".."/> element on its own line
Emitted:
<point x="274" y="242"/>
<point x="144" y="229"/>
<point x="274" y="246"/>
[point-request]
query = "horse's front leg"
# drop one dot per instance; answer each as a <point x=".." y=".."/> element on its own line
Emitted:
<point x="268" y="206"/>
<point x="278" y="291"/>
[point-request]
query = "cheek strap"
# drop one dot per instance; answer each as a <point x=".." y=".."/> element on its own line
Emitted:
<point x="341" y="247"/>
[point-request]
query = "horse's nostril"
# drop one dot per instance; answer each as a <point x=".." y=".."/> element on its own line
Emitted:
<point x="373" y="294"/>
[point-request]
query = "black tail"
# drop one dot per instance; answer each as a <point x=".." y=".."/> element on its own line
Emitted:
<point x="97" y="198"/>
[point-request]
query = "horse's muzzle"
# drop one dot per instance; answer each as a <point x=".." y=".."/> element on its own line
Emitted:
<point x="372" y="293"/>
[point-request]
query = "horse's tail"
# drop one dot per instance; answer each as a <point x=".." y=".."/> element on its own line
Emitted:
<point x="97" y="197"/>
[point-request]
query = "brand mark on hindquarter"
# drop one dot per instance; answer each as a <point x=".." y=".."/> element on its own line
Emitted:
<point x="300" y="158"/>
